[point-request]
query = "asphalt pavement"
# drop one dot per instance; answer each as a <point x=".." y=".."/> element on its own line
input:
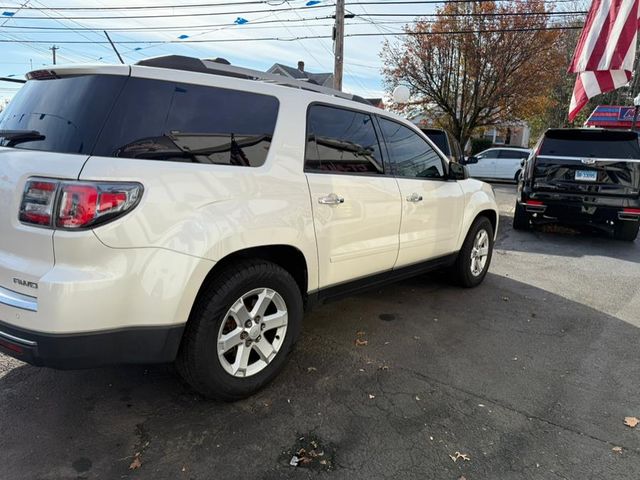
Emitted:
<point x="529" y="376"/>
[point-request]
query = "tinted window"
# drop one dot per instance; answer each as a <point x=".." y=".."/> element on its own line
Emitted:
<point x="410" y="154"/>
<point x="68" y="112"/>
<point x="341" y="141"/>
<point x="439" y="138"/>
<point x="489" y="154"/>
<point x="159" y="120"/>
<point x="596" y="143"/>
<point x="513" y="154"/>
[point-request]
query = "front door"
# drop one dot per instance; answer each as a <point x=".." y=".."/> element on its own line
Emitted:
<point x="485" y="165"/>
<point x="356" y="208"/>
<point x="432" y="206"/>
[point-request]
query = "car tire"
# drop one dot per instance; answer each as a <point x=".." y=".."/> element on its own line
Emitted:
<point x="260" y="351"/>
<point x="521" y="219"/>
<point x="627" y="231"/>
<point x="471" y="266"/>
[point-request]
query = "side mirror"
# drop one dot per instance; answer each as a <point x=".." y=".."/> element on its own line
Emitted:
<point x="458" y="172"/>
<point x="472" y="159"/>
<point x="522" y="162"/>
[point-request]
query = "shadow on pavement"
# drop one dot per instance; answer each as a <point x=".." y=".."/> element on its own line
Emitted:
<point x="526" y="383"/>
<point x="565" y="242"/>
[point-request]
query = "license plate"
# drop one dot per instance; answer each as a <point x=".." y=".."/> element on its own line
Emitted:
<point x="586" y="175"/>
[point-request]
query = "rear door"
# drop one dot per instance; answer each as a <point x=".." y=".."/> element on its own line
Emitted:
<point x="508" y="163"/>
<point x="432" y="206"/>
<point x="356" y="207"/>
<point x="602" y="162"/>
<point x="67" y="114"/>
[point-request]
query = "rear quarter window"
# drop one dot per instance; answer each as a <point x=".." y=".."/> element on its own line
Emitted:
<point x="160" y="120"/>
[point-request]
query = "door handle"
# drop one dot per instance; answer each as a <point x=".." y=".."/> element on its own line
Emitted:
<point x="414" y="197"/>
<point x="331" y="199"/>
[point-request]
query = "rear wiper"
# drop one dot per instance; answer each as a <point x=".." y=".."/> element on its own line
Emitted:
<point x="10" y="138"/>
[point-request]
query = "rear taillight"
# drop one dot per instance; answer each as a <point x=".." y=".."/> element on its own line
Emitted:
<point x="534" y="202"/>
<point x="38" y="202"/>
<point x="631" y="211"/>
<point x="76" y="205"/>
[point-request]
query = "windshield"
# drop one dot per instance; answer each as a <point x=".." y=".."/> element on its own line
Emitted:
<point x="64" y="115"/>
<point x="591" y="144"/>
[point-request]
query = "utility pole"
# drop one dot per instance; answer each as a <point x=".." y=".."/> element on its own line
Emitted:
<point x="338" y="45"/>
<point x="53" y="51"/>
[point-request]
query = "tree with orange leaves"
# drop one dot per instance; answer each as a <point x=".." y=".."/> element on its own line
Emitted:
<point x="479" y="63"/>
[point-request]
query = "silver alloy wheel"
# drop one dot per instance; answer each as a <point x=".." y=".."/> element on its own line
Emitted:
<point x="479" y="252"/>
<point x="252" y="332"/>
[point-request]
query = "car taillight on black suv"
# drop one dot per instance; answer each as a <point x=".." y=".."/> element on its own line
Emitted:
<point x="585" y="177"/>
<point x="72" y="205"/>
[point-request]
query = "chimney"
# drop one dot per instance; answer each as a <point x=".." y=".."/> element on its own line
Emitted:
<point x="301" y="66"/>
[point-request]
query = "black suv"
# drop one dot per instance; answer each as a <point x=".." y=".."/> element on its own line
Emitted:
<point x="446" y="143"/>
<point x="583" y="177"/>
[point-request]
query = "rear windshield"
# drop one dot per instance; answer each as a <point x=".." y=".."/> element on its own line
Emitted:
<point x="585" y="143"/>
<point x="440" y="139"/>
<point x="117" y="116"/>
<point x="68" y="113"/>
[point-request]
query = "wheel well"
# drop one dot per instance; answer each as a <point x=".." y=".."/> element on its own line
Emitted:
<point x="491" y="215"/>
<point x="286" y="256"/>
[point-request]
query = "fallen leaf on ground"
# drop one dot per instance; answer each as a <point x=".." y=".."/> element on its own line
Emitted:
<point x="631" y="421"/>
<point x="616" y="449"/>
<point x="136" y="463"/>
<point x="458" y="456"/>
<point x="505" y="299"/>
<point x="311" y="369"/>
<point x="361" y="343"/>
<point x="371" y="397"/>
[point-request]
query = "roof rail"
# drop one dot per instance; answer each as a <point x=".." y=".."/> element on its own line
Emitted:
<point x="218" y="67"/>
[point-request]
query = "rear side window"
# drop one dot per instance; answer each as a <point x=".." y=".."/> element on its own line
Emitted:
<point x="160" y="120"/>
<point x="585" y="143"/>
<point x="410" y="155"/>
<point x="511" y="154"/>
<point x="64" y="115"/>
<point x="340" y="140"/>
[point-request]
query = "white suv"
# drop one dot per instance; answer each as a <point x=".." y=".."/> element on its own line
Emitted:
<point x="186" y="210"/>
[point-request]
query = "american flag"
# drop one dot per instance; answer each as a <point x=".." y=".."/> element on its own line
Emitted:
<point x="606" y="50"/>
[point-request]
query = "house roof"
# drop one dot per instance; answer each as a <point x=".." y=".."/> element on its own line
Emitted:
<point x="319" y="78"/>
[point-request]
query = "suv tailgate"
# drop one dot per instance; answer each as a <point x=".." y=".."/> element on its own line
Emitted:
<point x="67" y="113"/>
<point x="26" y="252"/>
<point x="597" y="162"/>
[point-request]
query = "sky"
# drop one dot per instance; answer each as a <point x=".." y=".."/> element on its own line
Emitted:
<point x="362" y="63"/>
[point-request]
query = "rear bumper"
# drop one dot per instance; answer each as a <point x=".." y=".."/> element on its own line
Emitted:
<point x="141" y="345"/>
<point x="598" y="211"/>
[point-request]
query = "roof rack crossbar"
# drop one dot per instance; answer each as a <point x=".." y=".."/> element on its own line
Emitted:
<point x="192" y="64"/>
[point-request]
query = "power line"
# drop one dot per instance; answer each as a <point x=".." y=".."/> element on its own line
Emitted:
<point x="254" y="2"/>
<point x="291" y="20"/>
<point x="174" y="15"/>
<point x="294" y="39"/>
<point x="169" y="27"/>
<point x="474" y="14"/>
